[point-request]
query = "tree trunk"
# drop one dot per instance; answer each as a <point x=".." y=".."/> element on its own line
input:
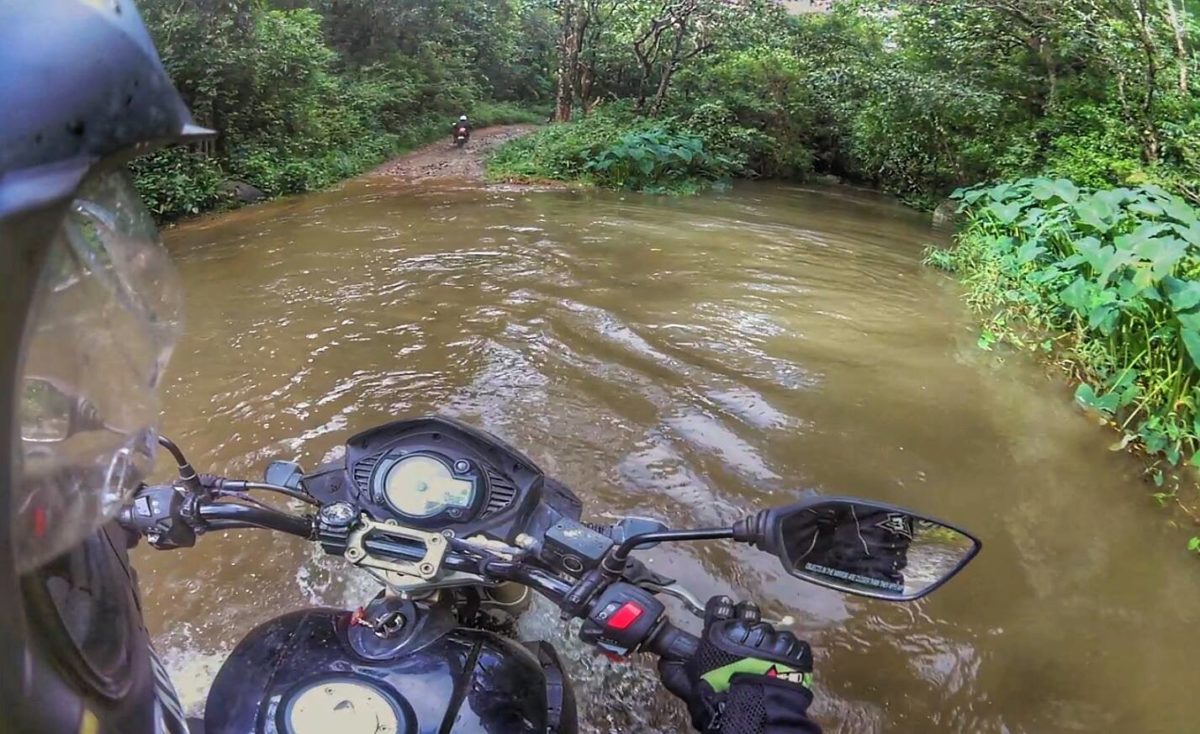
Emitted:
<point x="1178" y="29"/>
<point x="660" y="94"/>
<point x="564" y="82"/>
<point x="1151" y="146"/>
<point x="587" y="80"/>
<point x="576" y="42"/>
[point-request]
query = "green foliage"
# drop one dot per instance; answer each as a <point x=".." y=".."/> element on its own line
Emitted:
<point x="1116" y="272"/>
<point x="562" y="152"/>
<point x="917" y="98"/>
<point x="913" y="98"/>
<point x="656" y="160"/>
<point x="757" y="110"/>
<point x="178" y="181"/>
<point x="616" y="149"/>
<point x="308" y="92"/>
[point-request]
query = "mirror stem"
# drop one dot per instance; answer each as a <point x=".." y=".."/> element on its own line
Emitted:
<point x="614" y="562"/>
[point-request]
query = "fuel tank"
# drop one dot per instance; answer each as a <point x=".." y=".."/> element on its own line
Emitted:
<point x="321" y="670"/>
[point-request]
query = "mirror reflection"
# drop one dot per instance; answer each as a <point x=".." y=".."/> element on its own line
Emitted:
<point x="47" y="413"/>
<point x="871" y="549"/>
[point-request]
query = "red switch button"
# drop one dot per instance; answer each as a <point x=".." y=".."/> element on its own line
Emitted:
<point x="625" y="616"/>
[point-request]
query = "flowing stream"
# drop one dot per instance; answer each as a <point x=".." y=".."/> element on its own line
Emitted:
<point x="694" y="359"/>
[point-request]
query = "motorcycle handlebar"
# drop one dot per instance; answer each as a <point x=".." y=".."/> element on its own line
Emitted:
<point x="667" y="641"/>
<point x="672" y="644"/>
<point x="229" y="516"/>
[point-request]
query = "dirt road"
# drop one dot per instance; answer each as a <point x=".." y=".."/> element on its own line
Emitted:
<point x="442" y="160"/>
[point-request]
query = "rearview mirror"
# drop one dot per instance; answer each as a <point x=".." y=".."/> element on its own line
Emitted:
<point x="865" y="548"/>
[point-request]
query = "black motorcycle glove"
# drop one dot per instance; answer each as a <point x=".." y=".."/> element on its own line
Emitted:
<point x="745" y="678"/>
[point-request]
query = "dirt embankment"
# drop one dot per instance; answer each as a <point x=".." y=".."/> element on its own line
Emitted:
<point x="443" y="160"/>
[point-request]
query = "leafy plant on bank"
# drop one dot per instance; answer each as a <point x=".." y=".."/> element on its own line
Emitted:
<point x="657" y="160"/>
<point x="616" y="149"/>
<point x="1109" y="281"/>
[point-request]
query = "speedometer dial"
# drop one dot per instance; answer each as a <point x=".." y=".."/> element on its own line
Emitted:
<point x="422" y="486"/>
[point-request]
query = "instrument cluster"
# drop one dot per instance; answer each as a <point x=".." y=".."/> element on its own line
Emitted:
<point x="437" y="474"/>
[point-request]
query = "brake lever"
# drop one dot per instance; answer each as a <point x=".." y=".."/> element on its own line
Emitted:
<point x="690" y="601"/>
<point x="693" y="604"/>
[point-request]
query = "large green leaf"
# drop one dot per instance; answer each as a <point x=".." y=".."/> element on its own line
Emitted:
<point x="1044" y="189"/>
<point x="1033" y="218"/>
<point x="1162" y="254"/>
<point x="1113" y="264"/>
<point x="1029" y="252"/>
<point x="1190" y="233"/>
<point x="1116" y="197"/>
<point x="1094" y="254"/>
<point x="1096" y="212"/>
<point x="1146" y="208"/>
<point x="1180" y="211"/>
<point x="1078" y="295"/>
<point x="1086" y="396"/>
<point x="1189" y="320"/>
<point x="1002" y="192"/>
<point x="1184" y="295"/>
<point x="1006" y="213"/>
<point x="1042" y="277"/>
<point x="1145" y="231"/>
<point x="1104" y="318"/>
<point x="1191" y="340"/>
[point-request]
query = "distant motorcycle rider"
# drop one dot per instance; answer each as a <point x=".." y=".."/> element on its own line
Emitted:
<point x="461" y="125"/>
<point x="89" y="313"/>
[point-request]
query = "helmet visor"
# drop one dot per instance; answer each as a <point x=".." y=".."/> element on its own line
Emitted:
<point x="104" y="321"/>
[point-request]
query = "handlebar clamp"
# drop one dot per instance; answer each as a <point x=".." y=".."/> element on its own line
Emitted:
<point x="164" y="515"/>
<point x="622" y="619"/>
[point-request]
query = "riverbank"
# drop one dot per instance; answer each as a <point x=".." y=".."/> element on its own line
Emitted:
<point x="1104" y="284"/>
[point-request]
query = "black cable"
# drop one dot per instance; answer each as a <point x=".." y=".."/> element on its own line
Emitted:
<point x="173" y="448"/>
<point x="187" y="474"/>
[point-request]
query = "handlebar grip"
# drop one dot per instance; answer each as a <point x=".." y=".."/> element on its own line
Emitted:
<point x="672" y="644"/>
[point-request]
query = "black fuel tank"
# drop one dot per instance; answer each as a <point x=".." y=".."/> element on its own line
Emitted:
<point x="302" y="673"/>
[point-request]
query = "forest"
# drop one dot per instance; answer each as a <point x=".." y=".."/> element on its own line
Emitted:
<point x="913" y="98"/>
<point x="304" y="93"/>
<point x="1067" y="132"/>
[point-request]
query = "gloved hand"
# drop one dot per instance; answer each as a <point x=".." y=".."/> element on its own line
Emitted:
<point x="746" y="678"/>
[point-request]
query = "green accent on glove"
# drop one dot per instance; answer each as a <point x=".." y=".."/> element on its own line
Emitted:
<point x="719" y="678"/>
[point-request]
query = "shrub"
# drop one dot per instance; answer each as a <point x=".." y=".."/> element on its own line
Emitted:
<point x="1112" y="276"/>
<point x="177" y="181"/>
<point x="656" y="160"/>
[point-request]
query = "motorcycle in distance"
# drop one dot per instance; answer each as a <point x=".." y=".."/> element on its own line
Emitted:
<point x="458" y="527"/>
<point x="461" y="135"/>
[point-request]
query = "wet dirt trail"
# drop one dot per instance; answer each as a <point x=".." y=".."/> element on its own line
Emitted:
<point x="443" y="160"/>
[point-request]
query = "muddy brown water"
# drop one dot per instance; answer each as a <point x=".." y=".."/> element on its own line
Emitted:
<point x="695" y="359"/>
